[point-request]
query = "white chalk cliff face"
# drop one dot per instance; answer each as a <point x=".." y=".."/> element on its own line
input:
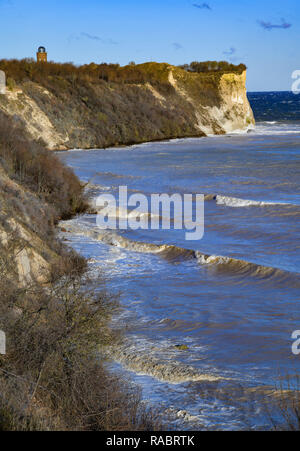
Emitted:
<point x="231" y="112"/>
<point x="235" y="112"/>
<point x="210" y="103"/>
<point x="18" y="104"/>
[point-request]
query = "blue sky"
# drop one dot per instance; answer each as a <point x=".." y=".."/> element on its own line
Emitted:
<point x="263" y="34"/>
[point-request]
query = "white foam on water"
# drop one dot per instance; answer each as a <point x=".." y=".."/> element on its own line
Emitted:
<point x="241" y="131"/>
<point x="148" y="364"/>
<point x="275" y="128"/>
<point x="91" y="186"/>
<point x="212" y="259"/>
<point x="236" y="202"/>
<point x="79" y="226"/>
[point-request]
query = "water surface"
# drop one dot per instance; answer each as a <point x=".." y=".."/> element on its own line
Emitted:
<point x="233" y="313"/>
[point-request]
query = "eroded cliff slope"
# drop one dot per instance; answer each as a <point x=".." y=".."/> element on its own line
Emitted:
<point x="36" y="190"/>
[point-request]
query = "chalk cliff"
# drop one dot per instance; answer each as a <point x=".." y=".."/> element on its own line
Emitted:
<point x="68" y="107"/>
<point x="54" y="331"/>
<point x="147" y="102"/>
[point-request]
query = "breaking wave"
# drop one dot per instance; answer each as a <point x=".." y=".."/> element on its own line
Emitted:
<point x="170" y="252"/>
<point x="244" y="268"/>
<point x="172" y="372"/>
<point x="173" y="253"/>
<point x="276" y="128"/>
<point x="236" y="202"/>
<point x="122" y="213"/>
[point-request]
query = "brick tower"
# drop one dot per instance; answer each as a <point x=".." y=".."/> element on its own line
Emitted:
<point x="41" y="55"/>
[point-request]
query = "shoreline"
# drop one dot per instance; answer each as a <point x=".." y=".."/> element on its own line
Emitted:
<point x="130" y="144"/>
<point x="236" y="132"/>
<point x="137" y="362"/>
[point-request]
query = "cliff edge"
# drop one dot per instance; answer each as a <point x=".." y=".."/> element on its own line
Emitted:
<point x="107" y="105"/>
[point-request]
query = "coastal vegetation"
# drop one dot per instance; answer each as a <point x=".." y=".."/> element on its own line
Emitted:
<point x="214" y="66"/>
<point x="104" y="105"/>
<point x="31" y="165"/>
<point x="29" y="70"/>
<point x="54" y="375"/>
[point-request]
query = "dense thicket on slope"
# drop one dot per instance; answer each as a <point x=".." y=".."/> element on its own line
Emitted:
<point x="101" y="106"/>
<point x="51" y="377"/>
<point x="31" y="165"/>
<point x="214" y="66"/>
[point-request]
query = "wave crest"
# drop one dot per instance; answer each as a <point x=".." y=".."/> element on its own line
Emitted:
<point x="173" y="253"/>
<point x="236" y="202"/>
<point x="172" y="372"/>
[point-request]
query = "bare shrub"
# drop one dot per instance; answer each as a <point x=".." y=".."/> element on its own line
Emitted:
<point x="54" y="375"/>
<point x="39" y="170"/>
<point x="285" y="412"/>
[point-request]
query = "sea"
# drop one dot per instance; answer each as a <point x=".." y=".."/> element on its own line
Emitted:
<point x="208" y="324"/>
